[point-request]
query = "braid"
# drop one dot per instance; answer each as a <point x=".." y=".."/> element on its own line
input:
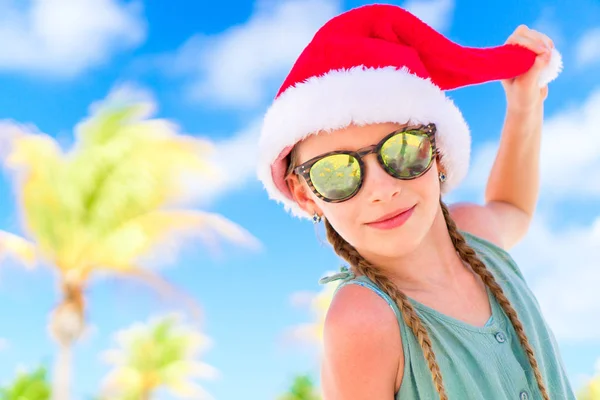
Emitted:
<point x="468" y="255"/>
<point x="363" y="267"/>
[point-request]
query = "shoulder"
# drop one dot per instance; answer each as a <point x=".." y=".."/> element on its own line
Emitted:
<point x="477" y="220"/>
<point x="354" y="305"/>
<point x="361" y="334"/>
<point x="502" y="224"/>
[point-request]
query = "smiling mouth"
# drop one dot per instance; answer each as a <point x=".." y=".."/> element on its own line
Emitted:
<point x="391" y="215"/>
<point x="392" y="220"/>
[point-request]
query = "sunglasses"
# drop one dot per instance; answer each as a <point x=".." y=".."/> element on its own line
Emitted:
<point x="338" y="175"/>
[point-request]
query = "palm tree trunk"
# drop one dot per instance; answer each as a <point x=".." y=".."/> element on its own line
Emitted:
<point x="61" y="382"/>
<point x="66" y="326"/>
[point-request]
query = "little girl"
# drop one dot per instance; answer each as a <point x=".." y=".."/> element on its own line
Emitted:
<point x="362" y="136"/>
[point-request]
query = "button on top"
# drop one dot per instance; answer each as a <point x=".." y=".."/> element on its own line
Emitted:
<point x="501" y="338"/>
<point x="524" y="395"/>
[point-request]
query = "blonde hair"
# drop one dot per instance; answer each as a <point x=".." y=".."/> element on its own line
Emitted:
<point x="360" y="266"/>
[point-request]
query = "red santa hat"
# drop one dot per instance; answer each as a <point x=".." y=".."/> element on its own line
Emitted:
<point x="376" y="64"/>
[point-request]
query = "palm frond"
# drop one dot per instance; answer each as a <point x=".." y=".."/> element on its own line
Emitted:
<point x="162" y="229"/>
<point x="162" y="353"/>
<point x="18" y="248"/>
<point x="36" y="161"/>
<point x="102" y="195"/>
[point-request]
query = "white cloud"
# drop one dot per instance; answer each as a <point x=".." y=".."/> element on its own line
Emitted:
<point x="570" y="155"/>
<point x="437" y="13"/>
<point x="235" y="67"/>
<point x="588" y="47"/>
<point x="311" y="333"/>
<point x="63" y="38"/>
<point x="127" y="93"/>
<point x="235" y="160"/>
<point x="3" y="344"/>
<point x="563" y="270"/>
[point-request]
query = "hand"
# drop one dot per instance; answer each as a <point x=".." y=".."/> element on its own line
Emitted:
<point x="523" y="93"/>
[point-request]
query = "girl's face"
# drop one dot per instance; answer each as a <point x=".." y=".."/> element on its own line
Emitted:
<point x="381" y="196"/>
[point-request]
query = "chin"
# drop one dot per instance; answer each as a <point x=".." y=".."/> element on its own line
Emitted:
<point x="394" y="243"/>
<point x="397" y="245"/>
<point x="400" y="241"/>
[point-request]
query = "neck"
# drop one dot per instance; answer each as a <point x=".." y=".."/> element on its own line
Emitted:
<point x="434" y="263"/>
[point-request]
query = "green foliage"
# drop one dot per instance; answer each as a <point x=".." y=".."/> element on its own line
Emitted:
<point x="302" y="388"/>
<point x="28" y="386"/>
<point x="161" y="354"/>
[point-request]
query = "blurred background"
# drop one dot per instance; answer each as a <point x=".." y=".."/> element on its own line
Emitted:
<point x="139" y="256"/>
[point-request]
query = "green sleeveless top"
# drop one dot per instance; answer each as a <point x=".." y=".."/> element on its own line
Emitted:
<point x="480" y="363"/>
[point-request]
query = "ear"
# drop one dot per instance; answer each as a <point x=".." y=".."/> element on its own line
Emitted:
<point x="302" y="195"/>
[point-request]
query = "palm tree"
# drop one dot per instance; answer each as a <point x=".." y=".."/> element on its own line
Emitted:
<point x="105" y="205"/>
<point x="161" y="354"/>
<point x="302" y="389"/>
<point x="28" y="385"/>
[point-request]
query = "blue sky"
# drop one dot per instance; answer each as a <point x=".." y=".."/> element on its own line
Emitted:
<point x="213" y="70"/>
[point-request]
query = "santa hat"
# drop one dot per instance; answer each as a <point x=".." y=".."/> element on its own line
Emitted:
<point x="377" y="64"/>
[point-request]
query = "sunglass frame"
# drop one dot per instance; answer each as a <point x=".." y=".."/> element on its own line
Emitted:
<point x="303" y="169"/>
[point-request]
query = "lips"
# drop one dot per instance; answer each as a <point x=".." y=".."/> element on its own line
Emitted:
<point x="391" y="215"/>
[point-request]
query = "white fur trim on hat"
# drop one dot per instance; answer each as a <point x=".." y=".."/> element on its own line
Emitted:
<point x="361" y="96"/>
<point x="552" y="70"/>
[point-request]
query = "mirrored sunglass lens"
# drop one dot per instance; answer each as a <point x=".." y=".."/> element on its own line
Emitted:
<point x="336" y="177"/>
<point x="407" y="154"/>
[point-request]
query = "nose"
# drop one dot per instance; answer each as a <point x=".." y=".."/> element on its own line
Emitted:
<point x="378" y="185"/>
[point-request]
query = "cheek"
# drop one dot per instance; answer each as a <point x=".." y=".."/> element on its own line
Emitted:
<point x="427" y="187"/>
<point x="343" y="217"/>
<point x="431" y="185"/>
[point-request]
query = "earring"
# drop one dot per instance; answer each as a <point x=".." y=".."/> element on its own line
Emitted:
<point x="316" y="218"/>
<point x="443" y="177"/>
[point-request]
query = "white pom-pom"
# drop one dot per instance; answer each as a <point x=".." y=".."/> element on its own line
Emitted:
<point x="552" y="70"/>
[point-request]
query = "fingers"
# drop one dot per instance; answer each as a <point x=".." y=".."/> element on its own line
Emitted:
<point x="528" y="42"/>
<point x="541" y="37"/>
<point x="531" y="39"/>
<point x="530" y="79"/>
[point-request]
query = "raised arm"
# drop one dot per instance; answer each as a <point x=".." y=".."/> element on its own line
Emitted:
<point x="512" y="189"/>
